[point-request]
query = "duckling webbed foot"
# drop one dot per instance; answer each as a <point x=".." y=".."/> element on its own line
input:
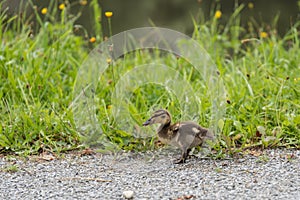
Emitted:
<point x="179" y="161"/>
<point x="183" y="157"/>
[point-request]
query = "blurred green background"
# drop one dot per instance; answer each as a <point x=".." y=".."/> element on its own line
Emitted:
<point x="177" y="14"/>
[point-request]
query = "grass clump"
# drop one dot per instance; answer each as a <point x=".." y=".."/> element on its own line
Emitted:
<point x="39" y="66"/>
<point x="38" y="69"/>
<point x="10" y="169"/>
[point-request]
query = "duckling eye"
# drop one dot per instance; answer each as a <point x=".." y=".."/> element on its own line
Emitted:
<point x="163" y="117"/>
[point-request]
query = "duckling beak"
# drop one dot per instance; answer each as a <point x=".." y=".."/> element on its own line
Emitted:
<point x="146" y="123"/>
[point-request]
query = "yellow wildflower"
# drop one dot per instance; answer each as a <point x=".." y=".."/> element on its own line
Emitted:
<point x="92" y="39"/>
<point x="218" y="14"/>
<point x="250" y="5"/>
<point x="108" y="60"/>
<point x="263" y="34"/>
<point x="83" y="2"/>
<point x="61" y="6"/>
<point x="44" y="11"/>
<point x="109" y="107"/>
<point x="108" y="14"/>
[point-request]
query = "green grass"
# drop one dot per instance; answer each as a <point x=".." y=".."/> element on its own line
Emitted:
<point x="10" y="169"/>
<point x="38" y="69"/>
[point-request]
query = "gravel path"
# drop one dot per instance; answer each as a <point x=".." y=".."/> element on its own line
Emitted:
<point x="272" y="174"/>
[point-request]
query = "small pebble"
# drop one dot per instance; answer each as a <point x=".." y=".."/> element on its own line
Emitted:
<point x="128" y="194"/>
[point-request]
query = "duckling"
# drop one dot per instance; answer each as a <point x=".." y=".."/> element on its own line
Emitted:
<point x="184" y="135"/>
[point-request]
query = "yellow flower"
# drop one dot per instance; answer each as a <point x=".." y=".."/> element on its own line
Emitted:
<point x="108" y="60"/>
<point x="109" y="107"/>
<point x="92" y="39"/>
<point x="83" y="2"/>
<point x="218" y="14"/>
<point x="108" y="14"/>
<point x="44" y="11"/>
<point x="250" y="5"/>
<point x="61" y="6"/>
<point x="263" y="34"/>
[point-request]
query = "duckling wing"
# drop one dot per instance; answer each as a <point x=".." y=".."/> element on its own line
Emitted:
<point x="194" y="129"/>
<point x="191" y="134"/>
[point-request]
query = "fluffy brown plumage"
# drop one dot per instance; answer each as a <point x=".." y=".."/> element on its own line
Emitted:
<point x="183" y="135"/>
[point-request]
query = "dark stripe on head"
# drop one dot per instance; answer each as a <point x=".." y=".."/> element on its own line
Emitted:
<point x="160" y="112"/>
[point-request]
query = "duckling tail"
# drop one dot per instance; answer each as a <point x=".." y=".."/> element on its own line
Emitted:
<point x="210" y="135"/>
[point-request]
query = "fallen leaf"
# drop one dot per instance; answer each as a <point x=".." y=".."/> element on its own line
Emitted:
<point x="186" y="197"/>
<point x="255" y="153"/>
<point x="87" y="151"/>
<point x="46" y="157"/>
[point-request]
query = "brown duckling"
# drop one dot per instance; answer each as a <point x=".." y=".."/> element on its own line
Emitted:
<point x="184" y="135"/>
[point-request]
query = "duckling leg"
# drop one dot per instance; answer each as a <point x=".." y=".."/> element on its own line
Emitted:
<point x="182" y="159"/>
<point x="179" y="161"/>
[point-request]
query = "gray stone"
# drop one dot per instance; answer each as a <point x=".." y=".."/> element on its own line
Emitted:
<point x="128" y="194"/>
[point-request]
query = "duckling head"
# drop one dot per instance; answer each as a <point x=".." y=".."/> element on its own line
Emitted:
<point x="159" y="117"/>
